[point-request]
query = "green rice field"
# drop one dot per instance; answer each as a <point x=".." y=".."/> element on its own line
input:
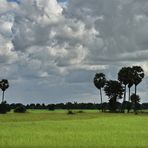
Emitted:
<point x="57" y="129"/>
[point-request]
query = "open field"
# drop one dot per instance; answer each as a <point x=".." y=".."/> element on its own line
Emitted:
<point x="56" y="129"/>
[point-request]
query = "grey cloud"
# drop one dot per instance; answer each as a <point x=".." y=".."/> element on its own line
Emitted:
<point x="44" y="44"/>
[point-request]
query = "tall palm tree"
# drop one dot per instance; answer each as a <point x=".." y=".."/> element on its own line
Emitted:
<point x="99" y="82"/>
<point x="138" y="75"/>
<point x="130" y="80"/>
<point x="122" y="77"/>
<point x="4" y="84"/>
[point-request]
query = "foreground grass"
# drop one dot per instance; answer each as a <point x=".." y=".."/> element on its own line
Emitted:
<point x="90" y="129"/>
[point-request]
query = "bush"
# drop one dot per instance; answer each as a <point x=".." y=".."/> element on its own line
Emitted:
<point x="70" y="112"/>
<point x="80" y="111"/>
<point x="4" y="108"/>
<point x="20" y="109"/>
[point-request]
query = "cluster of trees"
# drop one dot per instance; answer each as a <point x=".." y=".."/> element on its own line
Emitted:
<point x="115" y="89"/>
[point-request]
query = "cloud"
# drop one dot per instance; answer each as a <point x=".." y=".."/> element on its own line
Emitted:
<point x="49" y="47"/>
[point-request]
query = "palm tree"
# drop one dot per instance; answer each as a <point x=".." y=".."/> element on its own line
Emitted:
<point x="138" y="75"/>
<point x="99" y="82"/>
<point x="123" y="78"/>
<point x="114" y="90"/>
<point x="4" y="84"/>
<point x="130" y="80"/>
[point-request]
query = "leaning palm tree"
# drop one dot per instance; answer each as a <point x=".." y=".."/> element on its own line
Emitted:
<point x="99" y="82"/>
<point x="4" y="84"/>
<point x="138" y="75"/>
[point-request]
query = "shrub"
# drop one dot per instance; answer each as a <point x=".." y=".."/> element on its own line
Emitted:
<point x="70" y="112"/>
<point x="20" y="109"/>
<point x="4" y="108"/>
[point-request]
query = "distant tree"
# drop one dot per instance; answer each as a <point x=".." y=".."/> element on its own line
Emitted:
<point x="43" y="106"/>
<point x="27" y="106"/>
<point x="4" y="84"/>
<point x="32" y="106"/>
<point x="69" y="105"/>
<point x="99" y="82"/>
<point x="38" y="106"/>
<point x="138" y="75"/>
<point x="60" y="106"/>
<point x="123" y="78"/>
<point x="20" y="109"/>
<point x="114" y="90"/>
<point x="51" y="107"/>
<point x="135" y="99"/>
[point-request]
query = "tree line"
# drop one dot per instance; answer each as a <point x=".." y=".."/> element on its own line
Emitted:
<point x="116" y="89"/>
<point x="70" y="105"/>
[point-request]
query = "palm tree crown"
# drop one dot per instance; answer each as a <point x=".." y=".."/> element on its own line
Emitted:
<point x="138" y="75"/>
<point x="99" y="82"/>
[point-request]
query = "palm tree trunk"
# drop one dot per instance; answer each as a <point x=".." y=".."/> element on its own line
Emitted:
<point x="129" y="93"/>
<point x="135" y="89"/>
<point x="101" y="99"/>
<point x="124" y="94"/>
<point x="3" y="96"/>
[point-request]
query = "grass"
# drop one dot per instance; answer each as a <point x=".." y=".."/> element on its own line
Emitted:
<point x="57" y="129"/>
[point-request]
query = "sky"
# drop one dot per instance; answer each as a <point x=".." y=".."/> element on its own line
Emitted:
<point x="50" y="50"/>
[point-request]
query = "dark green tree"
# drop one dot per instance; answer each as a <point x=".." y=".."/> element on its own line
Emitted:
<point x="138" y="75"/>
<point x="4" y="84"/>
<point x="114" y="90"/>
<point x="99" y="82"/>
<point x="135" y="99"/>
